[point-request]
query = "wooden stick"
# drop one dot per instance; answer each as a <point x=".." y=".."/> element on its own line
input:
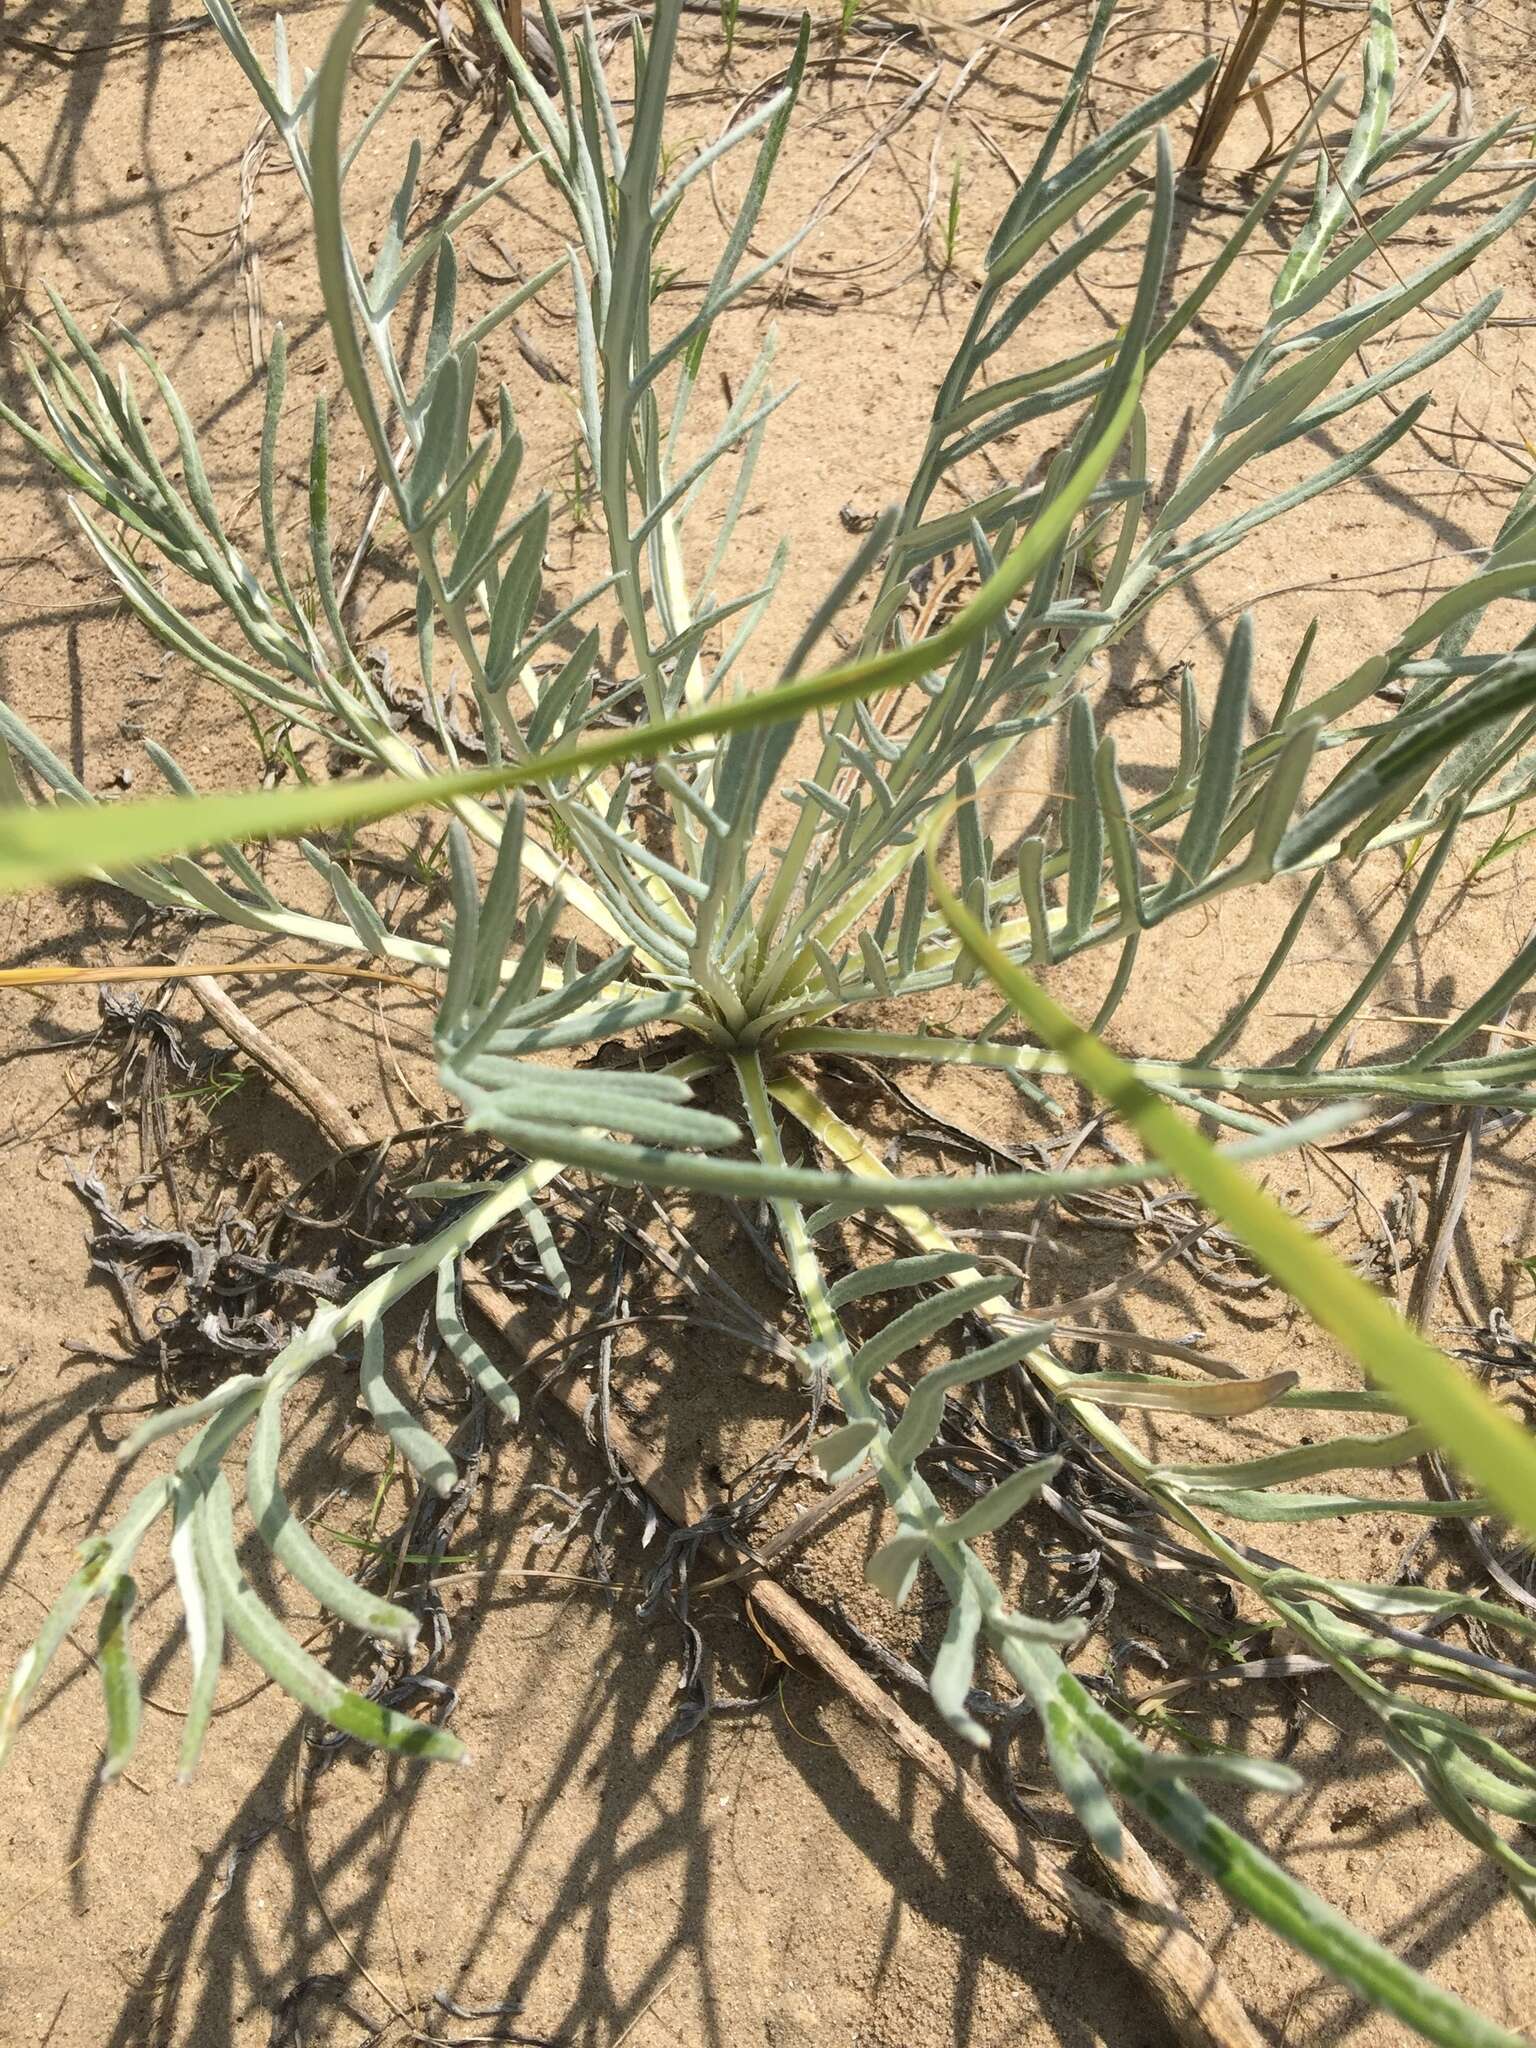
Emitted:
<point x="338" y="1122"/>
<point x="1144" y="1927"/>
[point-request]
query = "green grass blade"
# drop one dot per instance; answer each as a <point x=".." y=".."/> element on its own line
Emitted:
<point x="1299" y="1916"/>
<point x="1486" y="1443"/>
<point x="39" y="847"/>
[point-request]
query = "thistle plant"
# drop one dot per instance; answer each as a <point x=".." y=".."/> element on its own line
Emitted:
<point x="607" y="876"/>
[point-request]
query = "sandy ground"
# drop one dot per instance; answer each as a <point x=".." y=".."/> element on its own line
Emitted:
<point x="778" y="1875"/>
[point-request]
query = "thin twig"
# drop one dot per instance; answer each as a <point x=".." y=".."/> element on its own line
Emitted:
<point x="652" y="2000"/>
<point x="50" y="977"/>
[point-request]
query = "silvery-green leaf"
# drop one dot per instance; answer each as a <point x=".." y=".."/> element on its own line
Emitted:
<point x="890" y="1275"/>
<point x="914" y="907"/>
<point x="840" y="1452"/>
<point x="1406" y="1600"/>
<point x="393" y="239"/>
<point x="1033" y="1628"/>
<point x="954" y="1667"/>
<point x="354" y="905"/>
<point x="437" y="448"/>
<point x="491" y="1381"/>
<point x="894" y="1567"/>
<point x="1124" y="861"/>
<point x="1406" y="758"/>
<point x="1078" y="1779"/>
<point x="420" y="1449"/>
<point x="295" y="1549"/>
<point x="1254" y="1773"/>
<point x="104" y="1559"/>
<point x="1220" y="763"/>
<point x="187" y="1415"/>
<point x="1006" y="1499"/>
<point x="1338" y="1454"/>
<point x="916" y="1325"/>
<point x="542" y="1239"/>
<point x="204" y="1621"/>
<point x="1084" y="821"/>
<point x="1248" y="1505"/>
<point x="119" y="1678"/>
<point x="476" y="542"/>
<point x="924" y="1412"/>
<point x="264" y="1638"/>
